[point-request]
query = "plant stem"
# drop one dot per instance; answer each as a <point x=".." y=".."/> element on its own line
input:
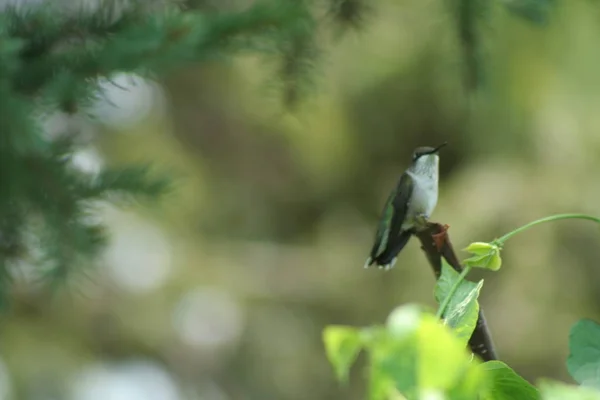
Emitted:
<point x="504" y="238"/>
<point x="480" y="342"/>
<point x="444" y="304"/>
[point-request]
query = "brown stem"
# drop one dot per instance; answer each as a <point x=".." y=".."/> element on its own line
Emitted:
<point x="436" y="244"/>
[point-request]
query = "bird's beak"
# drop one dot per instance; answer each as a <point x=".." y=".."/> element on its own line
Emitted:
<point x="438" y="148"/>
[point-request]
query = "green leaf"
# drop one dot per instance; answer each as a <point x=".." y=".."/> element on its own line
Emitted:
<point x="551" y="390"/>
<point x="342" y="345"/>
<point x="481" y="248"/>
<point x="393" y="362"/>
<point x="443" y="361"/>
<point x="485" y="255"/>
<point x="419" y="355"/>
<point x="463" y="309"/>
<point x="584" y="353"/>
<point x="506" y="384"/>
<point x="404" y="320"/>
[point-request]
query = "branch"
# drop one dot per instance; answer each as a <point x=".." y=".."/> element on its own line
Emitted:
<point x="436" y="244"/>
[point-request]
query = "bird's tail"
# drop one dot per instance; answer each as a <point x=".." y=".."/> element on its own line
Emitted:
<point x="387" y="257"/>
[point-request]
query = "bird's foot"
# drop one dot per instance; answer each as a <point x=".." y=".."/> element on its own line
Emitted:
<point x="421" y="221"/>
<point x="368" y="262"/>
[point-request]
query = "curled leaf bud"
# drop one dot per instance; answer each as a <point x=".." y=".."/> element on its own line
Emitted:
<point x="484" y="255"/>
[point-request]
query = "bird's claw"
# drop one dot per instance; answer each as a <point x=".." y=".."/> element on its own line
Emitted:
<point x="421" y="221"/>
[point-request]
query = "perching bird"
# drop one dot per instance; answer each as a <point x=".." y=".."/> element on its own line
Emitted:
<point x="409" y="206"/>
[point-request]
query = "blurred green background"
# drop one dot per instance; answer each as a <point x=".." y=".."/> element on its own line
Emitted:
<point x="221" y="292"/>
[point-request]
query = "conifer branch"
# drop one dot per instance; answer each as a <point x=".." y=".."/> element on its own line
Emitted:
<point x="52" y="61"/>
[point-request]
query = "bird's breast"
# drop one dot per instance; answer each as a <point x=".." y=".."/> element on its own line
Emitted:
<point x="423" y="200"/>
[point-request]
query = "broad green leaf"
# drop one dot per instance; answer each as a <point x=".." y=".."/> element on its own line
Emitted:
<point x="506" y="384"/>
<point x="421" y="355"/>
<point x="405" y="319"/>
<point x="393" y="366"/>
<point x="584" y="353"/>
<point x="463" y="310"/>
<point x="342" y="345"/>
<point x="381" y="384"/>
<point x="443" y="360"/>
<point x="551" y="390"/>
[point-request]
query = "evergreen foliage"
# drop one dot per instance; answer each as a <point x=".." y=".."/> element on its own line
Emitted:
<point x="53" y="61"/>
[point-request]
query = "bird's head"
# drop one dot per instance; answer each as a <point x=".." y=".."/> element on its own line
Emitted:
<point x="425" y="158"/>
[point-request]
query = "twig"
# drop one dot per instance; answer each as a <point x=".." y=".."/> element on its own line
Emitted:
<point x="436" y="244"/>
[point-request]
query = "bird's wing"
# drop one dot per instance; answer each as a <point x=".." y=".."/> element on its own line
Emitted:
<point x="393" y="215"/>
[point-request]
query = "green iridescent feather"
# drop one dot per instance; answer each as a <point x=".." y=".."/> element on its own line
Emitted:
<point x="392" y="216"/>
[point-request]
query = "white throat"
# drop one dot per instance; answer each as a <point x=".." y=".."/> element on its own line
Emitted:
<point x="426" y="166"/>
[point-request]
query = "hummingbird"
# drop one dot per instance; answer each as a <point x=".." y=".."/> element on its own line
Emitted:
<point x="407" y="208"/>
